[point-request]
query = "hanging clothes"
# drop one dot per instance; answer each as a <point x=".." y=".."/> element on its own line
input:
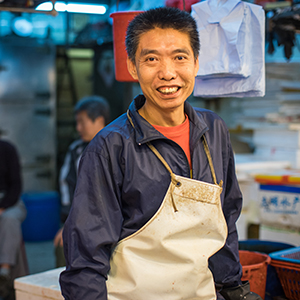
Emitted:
<point x="231" y="60"/>
<point x="282" y="27"/>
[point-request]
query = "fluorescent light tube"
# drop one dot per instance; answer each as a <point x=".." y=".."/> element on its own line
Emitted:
<point x="73" y="7"/>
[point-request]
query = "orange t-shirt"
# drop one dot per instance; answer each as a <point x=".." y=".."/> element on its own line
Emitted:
<point x="180" y="134"/>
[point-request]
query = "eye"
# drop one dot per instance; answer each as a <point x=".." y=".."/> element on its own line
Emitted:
<point x="180" y="57"/>
<point x="150" y="59"/>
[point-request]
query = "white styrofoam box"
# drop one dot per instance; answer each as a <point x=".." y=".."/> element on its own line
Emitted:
<point x="242" y="225"/>
<point x="250" y="106"/>
<point x="290" y="104"/>
<point x="292" y="110"/>
<point x="289" y="97"/>
<point x="281" y="235"/>
<point x="278" y="136"/>
<point x="39" y="286"/>
<point x="249" y="215"/>
<point x="247" y="166"/>
<point x="249" y="189"/>
<point x="280" y="205"/>
<point x="279" y="154"/>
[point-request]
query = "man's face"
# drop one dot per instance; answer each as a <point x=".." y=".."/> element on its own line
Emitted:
<point x="165" y="67"/>
<point x="87" y="128"/>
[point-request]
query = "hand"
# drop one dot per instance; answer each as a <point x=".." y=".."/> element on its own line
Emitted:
<point x="241" y="292"/>
<point x="58" y="239"/>
<point x="2" y="211"/>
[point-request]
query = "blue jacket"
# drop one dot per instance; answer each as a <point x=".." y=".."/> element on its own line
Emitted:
<point x="121" y="184"/>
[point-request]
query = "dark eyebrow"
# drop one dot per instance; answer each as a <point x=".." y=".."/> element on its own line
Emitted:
<point x="148" y="51"/>
<point x="182" y="50"/>
<point x="153" y="51"/>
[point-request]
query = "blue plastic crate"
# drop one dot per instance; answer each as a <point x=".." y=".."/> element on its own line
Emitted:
<point x="287" y="264"/>
<point x="289" y="255"/>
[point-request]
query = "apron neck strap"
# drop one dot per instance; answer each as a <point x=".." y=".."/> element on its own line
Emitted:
<point x="155" y="151"/>
<point x="176" y="182"/>
<point x="206" y="149"/>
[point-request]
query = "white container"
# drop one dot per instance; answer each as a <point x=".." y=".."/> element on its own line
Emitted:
<point x="277" y="234"/>
<point x="278" y="142"/>
<point x="279" y="154"/>
<point x="278" y="136"/>
<point x="247" y="167"/>
<point x="280" y="205"/>
<point x="39" y="286"/>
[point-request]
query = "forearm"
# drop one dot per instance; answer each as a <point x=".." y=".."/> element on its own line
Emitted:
<point x="83" y="284"/>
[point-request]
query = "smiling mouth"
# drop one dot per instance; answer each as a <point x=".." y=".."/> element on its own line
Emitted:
<point x="168" y="91"/>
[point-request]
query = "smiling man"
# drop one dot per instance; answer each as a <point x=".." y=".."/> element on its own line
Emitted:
<point x="165" y="66"/>
<point x="157" y="199"/>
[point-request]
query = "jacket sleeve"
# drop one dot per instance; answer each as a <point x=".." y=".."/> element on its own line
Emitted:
<point x="225" y="263"/>
<point x="91" y="230"/>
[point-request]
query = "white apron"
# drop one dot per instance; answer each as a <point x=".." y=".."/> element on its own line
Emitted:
<point x="168" y="257"/>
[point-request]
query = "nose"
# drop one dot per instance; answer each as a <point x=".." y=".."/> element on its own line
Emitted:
<point x="167" y="70"/>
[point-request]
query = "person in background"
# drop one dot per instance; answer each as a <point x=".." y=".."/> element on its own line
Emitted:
<point x="92" y="113"/>
<point x="157" y="199"/>
<point x="12" y="214"/>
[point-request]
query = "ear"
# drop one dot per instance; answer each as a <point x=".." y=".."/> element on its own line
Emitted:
<point x="99" y="122"/>
<point x="196" y="66"/>
<point x="132" y="68"/>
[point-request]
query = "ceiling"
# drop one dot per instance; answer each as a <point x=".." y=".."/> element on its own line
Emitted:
<point x="20" y="3"/>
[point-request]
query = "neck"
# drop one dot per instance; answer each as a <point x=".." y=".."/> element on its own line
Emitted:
<point x="166" y="118"/>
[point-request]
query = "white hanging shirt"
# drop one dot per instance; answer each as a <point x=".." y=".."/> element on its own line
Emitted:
<point x="231" y="60"/>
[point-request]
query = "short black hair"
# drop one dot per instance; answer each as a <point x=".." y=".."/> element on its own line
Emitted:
<point x="163" y="18"/>
<point x="95" y="106"/>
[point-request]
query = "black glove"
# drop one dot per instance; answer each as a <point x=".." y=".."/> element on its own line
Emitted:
<point x="240" y="292"/>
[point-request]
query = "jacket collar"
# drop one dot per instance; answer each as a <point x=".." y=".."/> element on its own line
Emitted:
<point x="145" y="132"/>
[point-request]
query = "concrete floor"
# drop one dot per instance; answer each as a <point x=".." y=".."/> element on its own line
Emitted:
<point x="40" y="256"/>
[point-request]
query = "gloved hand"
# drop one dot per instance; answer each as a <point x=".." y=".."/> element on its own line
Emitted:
<point x="241" y="292"/>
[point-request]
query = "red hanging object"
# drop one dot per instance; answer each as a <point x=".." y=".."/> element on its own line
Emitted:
<point x="120" y="24"/>
<point x="181" y="4"/>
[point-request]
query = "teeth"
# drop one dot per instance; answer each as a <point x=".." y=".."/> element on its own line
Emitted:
<point x="169" y="90"/>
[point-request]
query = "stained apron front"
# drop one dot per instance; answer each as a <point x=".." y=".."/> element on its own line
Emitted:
<point x="168" y="257"/>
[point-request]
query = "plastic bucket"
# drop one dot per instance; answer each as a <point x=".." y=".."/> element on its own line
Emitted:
<point x="43" y="220"/>
<point x="120" y="24"/>
<point x="255" y="266"/>
<point x="273" y="285"/>
<point x="263" y="246"/>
